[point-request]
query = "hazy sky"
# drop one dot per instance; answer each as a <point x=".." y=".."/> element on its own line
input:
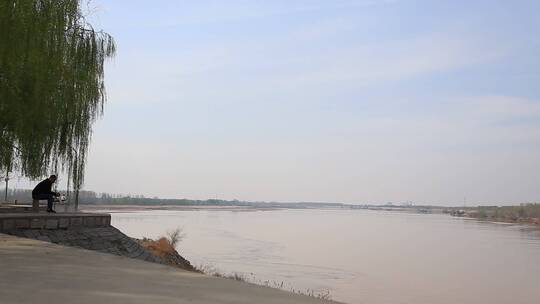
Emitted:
<point x="342" y="101"/>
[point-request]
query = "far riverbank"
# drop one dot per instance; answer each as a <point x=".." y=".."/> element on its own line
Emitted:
<point x="134" y="208"/>
<point x="522" y="214"/>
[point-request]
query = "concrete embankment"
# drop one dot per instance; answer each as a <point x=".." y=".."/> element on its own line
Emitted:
<point x="91" y="231"/>
<point x="116" y="269"/>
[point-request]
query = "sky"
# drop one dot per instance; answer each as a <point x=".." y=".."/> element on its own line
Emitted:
<point x="366" y="101"/>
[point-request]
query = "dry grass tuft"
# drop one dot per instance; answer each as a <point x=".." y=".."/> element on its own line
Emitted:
<point x="165" y="245"/>
<point x="165" y="248"/>
<point x="175" y="236"/>
<point x="160" y="247"/>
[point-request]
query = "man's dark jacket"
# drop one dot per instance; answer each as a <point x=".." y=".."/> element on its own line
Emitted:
<point x="44" y="187"/>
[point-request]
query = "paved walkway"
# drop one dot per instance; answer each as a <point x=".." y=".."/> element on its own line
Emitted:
<point x="32" y="271"/>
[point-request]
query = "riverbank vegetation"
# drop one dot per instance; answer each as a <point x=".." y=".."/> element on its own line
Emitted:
<point x="209" y="270"/>
<point x="524" y="213"/>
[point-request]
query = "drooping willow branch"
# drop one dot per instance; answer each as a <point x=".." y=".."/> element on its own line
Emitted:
<point x="51" y="85"/>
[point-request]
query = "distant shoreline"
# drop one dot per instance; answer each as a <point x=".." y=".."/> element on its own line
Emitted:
<point x="476" y="213"/>
<point x="528" y="214"/>
<point x="134" y="208"/>
<point x="519" y="221"/>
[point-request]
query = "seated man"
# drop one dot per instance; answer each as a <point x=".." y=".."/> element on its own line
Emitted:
<point x="43" y="192"/>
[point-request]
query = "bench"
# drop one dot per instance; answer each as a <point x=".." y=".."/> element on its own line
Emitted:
<point x="35" y="203"/>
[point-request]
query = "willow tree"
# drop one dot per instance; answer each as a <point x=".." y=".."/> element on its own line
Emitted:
<point x="51" y="86"/>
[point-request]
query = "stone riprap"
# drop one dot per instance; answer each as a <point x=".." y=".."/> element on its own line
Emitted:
<point x="102" y="239"/>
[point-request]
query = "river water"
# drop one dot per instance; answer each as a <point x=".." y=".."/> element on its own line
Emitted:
<point x="359" y="256"/>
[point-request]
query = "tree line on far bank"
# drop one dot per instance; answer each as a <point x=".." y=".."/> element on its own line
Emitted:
<point x="523" y="213"/>
<point x="23" y="196"/>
